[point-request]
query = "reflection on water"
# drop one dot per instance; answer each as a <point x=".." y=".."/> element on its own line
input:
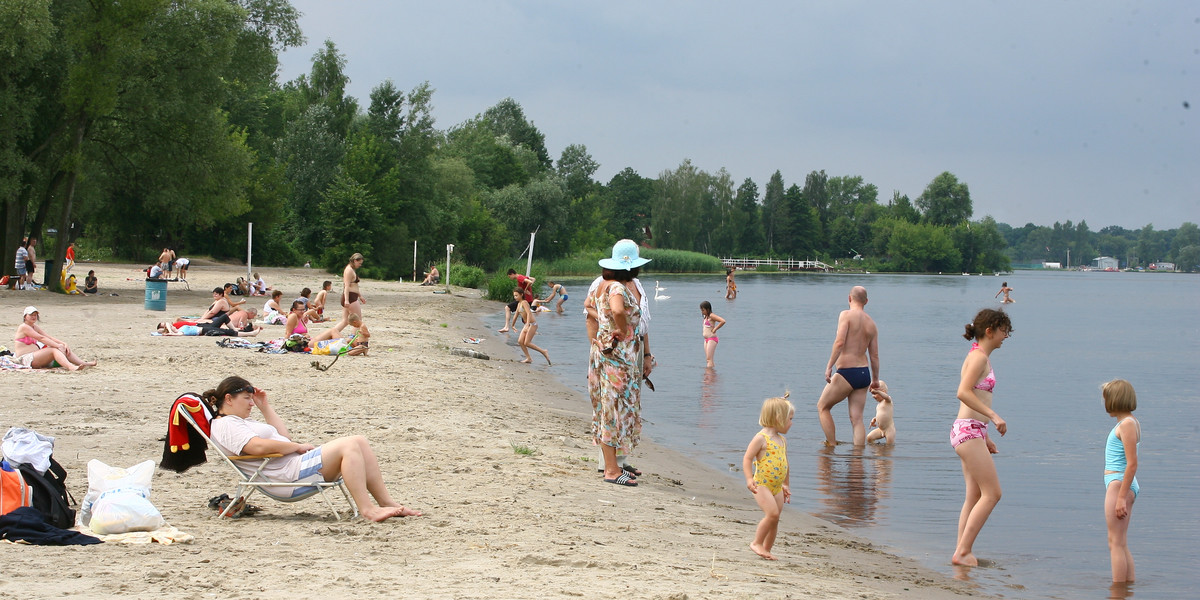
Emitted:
<point x="852" y="483"/>
<point x="1120" y="591"/>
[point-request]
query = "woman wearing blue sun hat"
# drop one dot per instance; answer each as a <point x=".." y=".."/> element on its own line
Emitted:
<point x="619" y="359"/>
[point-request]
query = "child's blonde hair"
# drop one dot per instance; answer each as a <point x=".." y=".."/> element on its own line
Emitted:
<point x="1119" y="396"/>
<point x="775" y="411"/>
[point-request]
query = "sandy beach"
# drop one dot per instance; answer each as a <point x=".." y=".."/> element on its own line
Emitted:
<point x="497" y="523"/>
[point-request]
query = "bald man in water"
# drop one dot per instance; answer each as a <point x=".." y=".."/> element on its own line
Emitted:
<point x="857" y="341"/>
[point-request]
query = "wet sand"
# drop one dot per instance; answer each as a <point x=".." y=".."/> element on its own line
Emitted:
<point x="498" y="523"/>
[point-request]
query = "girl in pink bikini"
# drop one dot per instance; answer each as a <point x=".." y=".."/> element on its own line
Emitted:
<point x="969" y="435"/>
<point x="711" y="324"/>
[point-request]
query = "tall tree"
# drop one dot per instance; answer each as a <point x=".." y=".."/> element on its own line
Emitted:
<point x="747" y="219"/>
<point x="628" y="196"/>
<point x="775" y="214"/>
<point x="945" y="201"/>
<point x="507" y="118"/>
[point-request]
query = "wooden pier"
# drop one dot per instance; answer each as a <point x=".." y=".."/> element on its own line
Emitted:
<point x="782" y="265"/>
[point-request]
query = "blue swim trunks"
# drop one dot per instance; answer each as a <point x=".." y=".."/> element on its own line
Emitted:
<point x="857" y="377"/>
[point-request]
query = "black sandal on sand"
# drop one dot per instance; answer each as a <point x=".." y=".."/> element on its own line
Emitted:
<point x="632" y="470"/>
<point x="622" y="479"/>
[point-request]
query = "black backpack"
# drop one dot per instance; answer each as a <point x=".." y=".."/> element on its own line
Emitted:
<point x="50" y="495"/>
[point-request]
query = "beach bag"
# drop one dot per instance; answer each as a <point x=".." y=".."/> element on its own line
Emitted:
<point x="118" y="500"/>
<point x="23" y="445"/>
<point x="50" y="495"/>
<point x="14" y="492"/>
<point x="295" y="343"/>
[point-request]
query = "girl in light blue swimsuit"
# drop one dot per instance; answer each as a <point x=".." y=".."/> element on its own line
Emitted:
<point x="1120" y="474"/>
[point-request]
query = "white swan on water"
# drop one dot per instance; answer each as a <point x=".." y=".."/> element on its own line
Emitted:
<point x="658" y="295"/>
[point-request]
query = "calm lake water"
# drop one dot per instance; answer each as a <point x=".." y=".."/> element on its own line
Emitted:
<point x="1072" y="332"/>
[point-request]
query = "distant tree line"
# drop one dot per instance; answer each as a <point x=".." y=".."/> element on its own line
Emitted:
<point x="1132" y="247"/>
<point x="133" y="125"/>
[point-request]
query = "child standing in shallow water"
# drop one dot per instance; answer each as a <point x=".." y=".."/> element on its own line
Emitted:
<point x="710" y="324"/>
<point x="766" y="468"/>
<point x="1120" y="474"/>
<point x="884" y="425"/>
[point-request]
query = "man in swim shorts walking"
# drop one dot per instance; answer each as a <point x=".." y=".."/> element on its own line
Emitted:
<point x="857" y="341"/>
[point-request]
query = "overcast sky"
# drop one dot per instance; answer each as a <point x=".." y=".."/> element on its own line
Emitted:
<point x="1049" y="111"/>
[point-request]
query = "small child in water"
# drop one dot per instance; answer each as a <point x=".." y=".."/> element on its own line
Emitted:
<point x="766" y="468"/>
<point x="1120" y="474"/>
<point x="885" y="427"/>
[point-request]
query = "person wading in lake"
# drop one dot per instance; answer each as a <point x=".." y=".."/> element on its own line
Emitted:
<point x="857" y="341"/>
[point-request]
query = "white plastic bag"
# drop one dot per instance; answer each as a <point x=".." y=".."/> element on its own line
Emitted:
<point x="118" y="500"/>
<point x="26" y="446"/>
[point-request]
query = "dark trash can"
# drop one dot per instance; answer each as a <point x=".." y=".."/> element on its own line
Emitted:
<point x="46" y="273"/>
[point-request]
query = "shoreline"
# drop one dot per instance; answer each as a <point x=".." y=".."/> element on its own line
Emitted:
<point x="497" y="523"/>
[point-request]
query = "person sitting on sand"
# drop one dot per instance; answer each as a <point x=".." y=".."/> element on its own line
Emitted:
<point x="884" y="426"/>
<point x="297" y="321"/>
<point x="432" y="277"/>
<point x="273" y="313"/>
<point x="316" y="309"/>
<point x="258" y="287"/>
<point x="220" y="305"/>
<point x="37" y="349"/>
<point x="351" y="458"/>
<point x="91" y="285"/>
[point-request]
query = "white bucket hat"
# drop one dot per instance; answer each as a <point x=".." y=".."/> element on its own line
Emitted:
<point x="624" y="257"/>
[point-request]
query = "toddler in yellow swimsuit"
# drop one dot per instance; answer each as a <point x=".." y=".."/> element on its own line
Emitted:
<point x="766" y="468"/>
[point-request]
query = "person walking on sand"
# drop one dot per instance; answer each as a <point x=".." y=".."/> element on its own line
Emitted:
<point x="765" y="466"/>
<point x="1120" y="474"/>
<point x="352" y="299"/>
<point x="730" y="285"/>
<point x="856" y="342"/>
<point x="709" y="327"/>
<point x="525" y="339"/>
<point x="1004" y="289"/>
<point x="968" y="434"/>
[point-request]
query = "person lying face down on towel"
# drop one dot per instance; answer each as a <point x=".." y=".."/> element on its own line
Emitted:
<point x="350" y="458"/>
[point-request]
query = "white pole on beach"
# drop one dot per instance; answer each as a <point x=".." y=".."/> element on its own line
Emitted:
<point x="249" y="247"/>
<point x="414" y="261"/>
<point x="529" y="261"/>
<point x="449" y="251"/>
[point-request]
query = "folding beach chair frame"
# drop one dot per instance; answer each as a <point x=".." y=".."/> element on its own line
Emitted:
<point x="248" y="484"/>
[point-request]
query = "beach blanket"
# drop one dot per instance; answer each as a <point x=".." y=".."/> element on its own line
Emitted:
<point x="8" y="363"/>
<point x="165" y="535"/>
<point x="472" y="340"/>
<point x="269" y="346"/>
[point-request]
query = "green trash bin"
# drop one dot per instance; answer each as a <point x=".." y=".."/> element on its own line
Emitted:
<point x="156" y="294"/>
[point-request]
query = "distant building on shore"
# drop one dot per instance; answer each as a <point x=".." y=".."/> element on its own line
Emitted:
<point x="1051" y="265"/>
<point x="1163" y="266"/>
<point x="1105" y="263"/>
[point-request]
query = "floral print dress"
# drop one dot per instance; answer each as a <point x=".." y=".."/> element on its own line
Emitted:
<point x="615" y="378"/>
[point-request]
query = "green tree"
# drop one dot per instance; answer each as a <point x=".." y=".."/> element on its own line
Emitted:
<point x="507" y="119"/>
<point x="901" y="208"/>
<point x="775" y="214"/>
<point x="628" y="198"/>
<point x="922" y="248"/>
<point x="576" y="168"/>
<point x="747" y="219"/>
<point x="945" y="201"/>
<point x="1187" y="235"/>
<point x="357" y="213"/>
<point x="676" y="205"/>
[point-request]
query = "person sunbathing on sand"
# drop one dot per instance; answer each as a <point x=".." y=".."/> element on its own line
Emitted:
<point x="52" y="351"/>
<point x="350" y="458"/>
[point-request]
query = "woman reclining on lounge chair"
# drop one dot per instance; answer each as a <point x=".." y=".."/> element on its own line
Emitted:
<point x="350" y="458"/>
